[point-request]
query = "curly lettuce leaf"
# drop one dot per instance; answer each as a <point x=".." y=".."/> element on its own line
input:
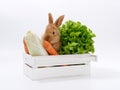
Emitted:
<point x="76" y="38"/>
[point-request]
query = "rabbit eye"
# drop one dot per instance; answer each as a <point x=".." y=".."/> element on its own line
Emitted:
<point x="53" y="32"/>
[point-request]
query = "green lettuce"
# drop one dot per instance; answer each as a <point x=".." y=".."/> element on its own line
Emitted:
<point x="76" y="38"/>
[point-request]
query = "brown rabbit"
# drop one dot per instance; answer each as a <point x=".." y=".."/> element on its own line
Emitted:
<point x="52" y="33"/>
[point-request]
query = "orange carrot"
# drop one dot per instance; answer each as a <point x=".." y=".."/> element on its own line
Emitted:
<point x="25" y="46"/>
<point x="65" y="65"/>
<point x="49" y="48"/>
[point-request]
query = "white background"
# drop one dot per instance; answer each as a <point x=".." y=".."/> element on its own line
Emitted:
<point x="19" y="16"/>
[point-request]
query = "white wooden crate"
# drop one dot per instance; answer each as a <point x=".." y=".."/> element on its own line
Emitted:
<point x="40" y="67"/>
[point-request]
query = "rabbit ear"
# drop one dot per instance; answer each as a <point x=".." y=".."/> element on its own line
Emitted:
<point x="50" y="18"/>
<point x="58" y="22"/>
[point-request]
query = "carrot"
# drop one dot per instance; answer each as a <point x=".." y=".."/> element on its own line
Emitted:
<point x="25" y="46"/>
<point x="65" y="65"/>
<point x="49" y="48"/>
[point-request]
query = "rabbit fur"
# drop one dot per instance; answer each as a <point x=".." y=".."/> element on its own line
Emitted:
<point x="52" y="33"/>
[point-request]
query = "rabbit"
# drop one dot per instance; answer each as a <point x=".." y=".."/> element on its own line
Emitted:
<point x="52" y="33"/>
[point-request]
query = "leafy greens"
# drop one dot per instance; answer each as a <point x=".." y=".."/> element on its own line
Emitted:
<point x="76" y="38"/>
